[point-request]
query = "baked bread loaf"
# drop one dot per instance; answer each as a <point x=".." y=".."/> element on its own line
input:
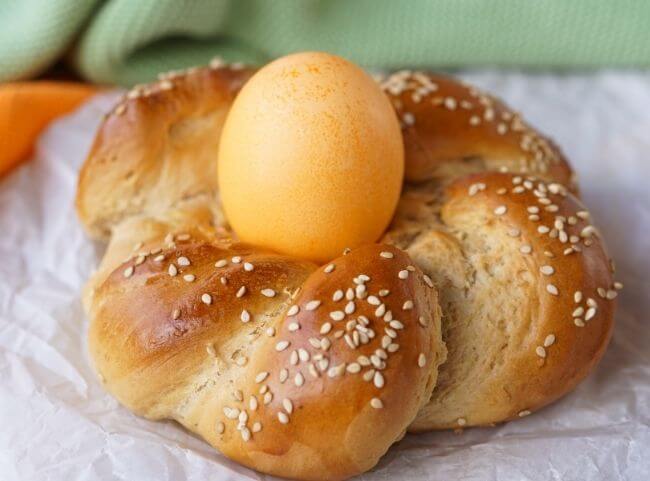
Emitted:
<point x="188" y="324"/>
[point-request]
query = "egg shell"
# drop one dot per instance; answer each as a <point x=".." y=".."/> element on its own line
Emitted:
<point x="311" y="158"/>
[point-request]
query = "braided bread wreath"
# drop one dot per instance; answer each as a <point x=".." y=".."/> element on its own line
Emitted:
<point x="310" y="371"/>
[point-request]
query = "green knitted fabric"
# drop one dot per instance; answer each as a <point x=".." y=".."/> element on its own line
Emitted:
<point x="130" y="41"/>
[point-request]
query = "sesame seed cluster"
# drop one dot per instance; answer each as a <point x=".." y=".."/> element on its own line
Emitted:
<point x="434" y="106"/>
<point x="349" y="330"/>
<point x="553" y="234"/>
<point x="566" y="234"/>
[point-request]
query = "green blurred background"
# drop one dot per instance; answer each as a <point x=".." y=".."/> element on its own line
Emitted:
<point x="130" y="41"/>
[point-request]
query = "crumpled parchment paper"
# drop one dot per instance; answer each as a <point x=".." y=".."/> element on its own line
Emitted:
<point x="57" y="423"/>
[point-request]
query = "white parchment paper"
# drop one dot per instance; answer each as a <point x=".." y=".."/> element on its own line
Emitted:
<point x="57" y="423"/>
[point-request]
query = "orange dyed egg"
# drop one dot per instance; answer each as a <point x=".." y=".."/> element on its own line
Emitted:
<point x="311" y="158"/>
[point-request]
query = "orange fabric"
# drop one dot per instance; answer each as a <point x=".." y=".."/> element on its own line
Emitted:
<point x="26" y="108"/>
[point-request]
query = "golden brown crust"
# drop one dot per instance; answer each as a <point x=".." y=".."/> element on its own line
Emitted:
<point x="509" y="254"/>
<point x="157" y="147"/>
<point x="452" y="129"/>
<point x="332" y="386"/>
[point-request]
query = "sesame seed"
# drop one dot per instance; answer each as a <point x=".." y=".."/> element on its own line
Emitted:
<point x="294" y="326"/>
<point x="221" y="263"/>
<point x="611" y="294"/>
<point x="183" y="261"/>
<point x="206" y="299"/>
<point x="337" y="296"/>
<point x="428" y="281"/>
<point x="550" y="340"/>
<point x="591" y="312"/>
<point x="540" y="351"/>
<point x="461" y="421"/>
<point x="329" y="268"/>
<point x="408" y="305"/>
<point x="475" y="188"/>
<point x="284" y="375"/>
<point x="257" y="427"/>
<point x="547" y="270"/>
<point x="384" y="292"/>
<point x="293" y="310"/>
<point x="128" y="272"/>
<point x="422" y="321"/>
<point x="176" y="314"/>
<point x="241" y="292"/>
<point x="299" y="380"/>
<point x="288" y="405"/>
<point x="236" y="259"/>
<point x="231" y="413"/>
<point x="325" y="328"/>
<point x="551" y="289"/>
<point x="403" y="274"/>
<point x="422" y="360"/>
<point x="189" y="277"/>
<point x="252" y="403"/>
<point x="353" y="367"/>
<point x="376" y="403"/>
<point x="282" y="345"/>
<point x="378" y="380"/>
<point x="408" y="118"/>
<point x="337" y="315"/>
<point x="336" y="371"/>
<point x="159" y="258"/>
<point x="268" y="292"/>
<point x="245" y="316"/>
<point x="248" y="267"/>
<point x="350" y="307"/>
<point x="283" y="418"/>
<point x="577" y="296"/>
<point x="373" y="300"/>
<point x="172" y="270"/>
<point x="221" y="427"/>
<point x="500" y="210"/>
<point x="618" y="285"/>
<point x="395" y="324"/>
<point x="386" y="255"/>
<point x="579" y="322"/>
<point x="312" y="305"/>
<point x="524" y="413"/>
<point x="474" y="120"/>
<point x="261" y="376"/>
